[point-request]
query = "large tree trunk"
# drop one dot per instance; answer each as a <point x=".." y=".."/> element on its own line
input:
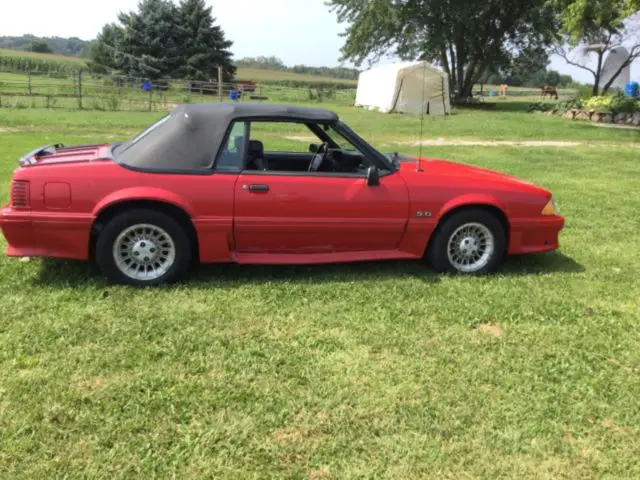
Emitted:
<point x="453" y="79"/>
<point x="469" y="79"/>
<point x="460" y="79"/>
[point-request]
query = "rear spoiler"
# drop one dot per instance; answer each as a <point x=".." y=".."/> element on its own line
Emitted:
<point x="30" y="158"/>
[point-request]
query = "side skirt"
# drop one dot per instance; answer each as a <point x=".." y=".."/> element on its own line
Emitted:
<point x="316" y="258"/>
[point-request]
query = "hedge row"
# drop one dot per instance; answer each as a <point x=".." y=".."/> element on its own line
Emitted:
<point x="337" y="85"/>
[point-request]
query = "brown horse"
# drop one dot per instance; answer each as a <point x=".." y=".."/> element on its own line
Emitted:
<point x="549" y="90"/>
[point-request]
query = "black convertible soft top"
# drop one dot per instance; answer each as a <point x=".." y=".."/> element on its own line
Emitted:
<point x="232" y="111"/>
<point x="190" y="136"/>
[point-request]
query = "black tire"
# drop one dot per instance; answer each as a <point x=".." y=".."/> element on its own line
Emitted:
<point x="437" y="253"/>
<point x="118" y="224"/>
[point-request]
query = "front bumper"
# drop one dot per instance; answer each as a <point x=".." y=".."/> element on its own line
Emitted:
<point x="46" y="234"/>
<point x="535" y="235"/>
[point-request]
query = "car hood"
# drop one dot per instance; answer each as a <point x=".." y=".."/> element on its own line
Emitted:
<point x="463" y="172"/>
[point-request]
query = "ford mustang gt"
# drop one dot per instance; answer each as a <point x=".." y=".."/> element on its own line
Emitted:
<point x="200" y="185"/>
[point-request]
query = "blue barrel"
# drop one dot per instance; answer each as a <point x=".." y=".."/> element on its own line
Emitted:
<point x="632" y="89"/>
<point x="234" y="95"/>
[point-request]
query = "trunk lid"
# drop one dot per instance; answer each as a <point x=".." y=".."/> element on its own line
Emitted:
<point x="51" y="154"/>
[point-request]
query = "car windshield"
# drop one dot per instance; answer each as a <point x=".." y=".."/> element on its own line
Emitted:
<point x="341" y="140"/>
<point x="347" y="139"/>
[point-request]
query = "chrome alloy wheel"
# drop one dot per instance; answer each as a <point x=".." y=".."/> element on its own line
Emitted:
<point x="470" y="247"/>
<point x="144" y="252"/>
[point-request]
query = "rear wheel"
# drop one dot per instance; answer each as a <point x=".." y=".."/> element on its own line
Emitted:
<point x="469" y="242"/>
<point x="143" y="247"/>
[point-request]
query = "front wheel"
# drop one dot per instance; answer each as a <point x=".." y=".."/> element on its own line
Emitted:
<point x="143" y="247"/>
<point x="469" y="242"/>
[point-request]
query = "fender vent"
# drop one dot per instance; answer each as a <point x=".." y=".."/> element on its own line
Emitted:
<point x="20" y="194"/>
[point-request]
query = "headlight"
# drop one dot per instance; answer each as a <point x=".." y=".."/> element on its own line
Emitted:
<point x="550" y="208"/>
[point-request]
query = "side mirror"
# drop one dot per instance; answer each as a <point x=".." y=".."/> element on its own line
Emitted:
<point x="373" y="177"/>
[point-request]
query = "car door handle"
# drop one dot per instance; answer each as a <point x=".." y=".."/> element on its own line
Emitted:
<point x="259" y="188"/>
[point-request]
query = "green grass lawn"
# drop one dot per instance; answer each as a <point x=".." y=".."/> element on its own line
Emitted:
<point x="373" y="370"/>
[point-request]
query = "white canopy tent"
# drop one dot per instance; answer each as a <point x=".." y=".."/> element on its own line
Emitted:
<point x="401" y="87"/>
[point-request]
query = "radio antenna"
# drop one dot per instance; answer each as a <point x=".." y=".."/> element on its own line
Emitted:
<point x="424" y="75"/>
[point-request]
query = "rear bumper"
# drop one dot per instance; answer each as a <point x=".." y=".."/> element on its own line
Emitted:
<point x="46" y="234"/>
<point x="535" y="235"/>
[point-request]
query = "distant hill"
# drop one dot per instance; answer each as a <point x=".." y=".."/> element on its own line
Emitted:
<point x="68" y="47"/>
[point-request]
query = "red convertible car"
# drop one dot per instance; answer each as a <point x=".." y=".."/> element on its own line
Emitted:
<point x="199" y="185"/>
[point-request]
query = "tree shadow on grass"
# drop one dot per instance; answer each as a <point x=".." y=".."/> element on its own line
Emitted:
<point x="74" y="274"/>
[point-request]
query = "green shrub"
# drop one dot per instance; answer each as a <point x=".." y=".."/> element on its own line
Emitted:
<point x="96" y="104"/>
<point x="584" y="92"/>
<point x="565" y="105"/>
<point x="600" y="104"/>
<point x="621" y="103"/>
<point x="615" y="103"/>
<point x="113" y="102"/>
<point x="539" y="107"/>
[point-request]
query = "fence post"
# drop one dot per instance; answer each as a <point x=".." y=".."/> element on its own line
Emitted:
<point x="220" y="83"/>
<point x="80" y="89"/>
<point x="150" y="99"/>
<point x="29" y="83"/>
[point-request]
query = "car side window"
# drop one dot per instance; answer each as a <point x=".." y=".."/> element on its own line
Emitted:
<point x="297" y="148"/>
<point x="290" y="137"/>
<point x="231" y="157"/>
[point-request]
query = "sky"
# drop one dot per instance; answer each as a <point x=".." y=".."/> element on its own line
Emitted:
<point x="296" y="31"/>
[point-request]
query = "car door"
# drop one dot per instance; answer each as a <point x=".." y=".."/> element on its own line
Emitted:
<point x="304" y="213"/>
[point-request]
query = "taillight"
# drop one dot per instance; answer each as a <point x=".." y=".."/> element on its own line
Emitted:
<point x="20" y="194"/>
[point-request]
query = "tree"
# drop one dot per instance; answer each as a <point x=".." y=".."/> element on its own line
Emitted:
<point x="465" y="38"/>
<point x="150" y="42"/>
<point x="104" y="52"/>
<point x="202" y="44"/>
<point x="529" y="68"/>
<point x="160" y="40"/>
<point x="61" y="46"/>
<point x="265" y="63"/>
<point x="39" y="46"/>
<point x="596" y="27"/>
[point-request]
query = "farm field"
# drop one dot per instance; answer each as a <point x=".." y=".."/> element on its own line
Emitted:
<point x="7" y="52"/>
<point x="255" y="74"/>
<point x="373" y="370"/>
<point x="258" y="75"/>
